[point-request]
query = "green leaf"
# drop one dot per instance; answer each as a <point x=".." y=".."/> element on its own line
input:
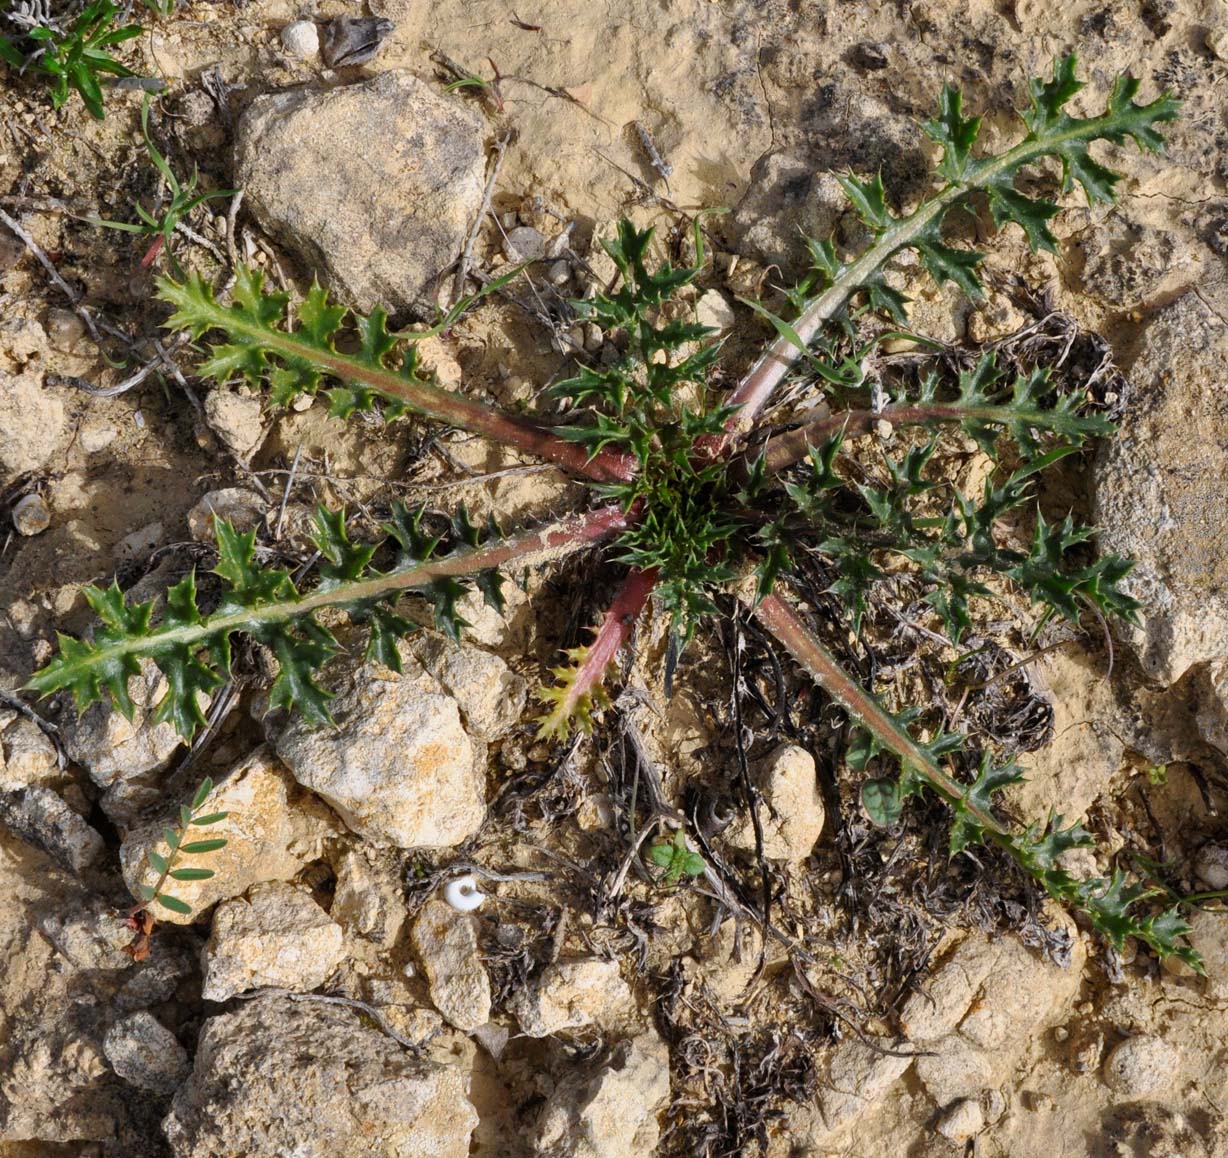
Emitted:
<point x="954" y="132"/>
<point x="196" y="847"/>
<point x="174" y="904"/>
<point x="157" y="861"/>
<point x="883" y="801"/>
<point x="869" y="200"/>
<point x="202" y="794"/>
<point x="211" y="818"/>
<point x="191" y="874"/>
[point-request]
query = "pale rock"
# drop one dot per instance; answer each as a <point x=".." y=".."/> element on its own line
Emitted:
<point x="89" y="936"/>
<point x="610" y="1111"/>
<point x="1211" y="713"/>
<point x="236" y="420"/>
<point x="313" y="161"/>
<point x="41" y="816"/>
<point x="524" y="243"/>
<point x="962" y="1122"/>
<point x="1209" y="937"/>
<point x="31" y="423"/>
<point x="65" y="329"/>
<point x="1217" y="41"/>
<point x="146" y="1054"/>
<point x="301" y="39"/>
<point x="446" y="943"/>
<point x="118" y="753"/>
<point x="276" y="936"/>
<point x="31" y="515"/>
<point x="489" y="626"/>
<point x="23" y="343"/>
<point x="242" y="508"/>
<point x="786" y="200"/>
<point x="140" y="544"/>
<point x="1078" y="765"/>
<point x="571" y="994"/>
<point x="955" y="1069"/>
<point x="490" y="695"/>
<point x="1141" y="1066"/>
<point x="369" y="900"/>
<point x="158" y="979"/>
<point x="713" y="309"/>
<point x="316" y="1081"/>
<point x="439" y="357"/>
<point x="96" y="434"/>
<point x="1211" y="865"/>
<point x="857" y="1076"/>
<point x="273" y="830"/>
<point x="1162" y="484"/>
<point x="792" y="813"/>
<point x="399" y="768"/>
<point x="27" y="756"/>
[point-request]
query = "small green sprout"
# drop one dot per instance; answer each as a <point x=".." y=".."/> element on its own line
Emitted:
<point x="74" y="59"/>
<point x="183" y="199"/>
<point x="165" y="864"/>
<point x="676" y="859"/>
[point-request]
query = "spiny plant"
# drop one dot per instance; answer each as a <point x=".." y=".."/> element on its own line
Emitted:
<point x="183" y="199"/>
<point x="73" y="57"/>
<point x="698" y="495"/>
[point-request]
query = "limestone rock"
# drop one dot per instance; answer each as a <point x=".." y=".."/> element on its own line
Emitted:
<point x="41" y="816"/>
<point x="146" y="1054"/>
<point x="1211" y="865"/>
<point x="962" y="1122"/>
<point x="369" y="900"/>
<point x="26" y="756"/>
<point x="1162" y="484"/>
<point x="316" y="1081"/>
<point x="272" y="831"/>
<point x="571" y="994"/>
<point x="31" y="423"/>
<point x="399" y="767"/>
<point x="1209" y="936"/>
<point x="1141" y="1066"/>
<point x="446" y="943"/>
<point x="276" y="936"/>
<point x="713" y="309"/>
<point x="242" y="508"/>
<point x="236" y="420"/>
<point x="1078" y="765"/>
<point x="792" y="814"/>
<point x="609" y="1112"/>
<point x="786" y="199"/>
<point x="314" y="162"/>
<point x="119" y="753"/>
<point x="301" y="39"/>
<point x="491" y="696"/>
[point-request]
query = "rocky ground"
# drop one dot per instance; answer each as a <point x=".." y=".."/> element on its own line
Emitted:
<point x="331" y="990"/>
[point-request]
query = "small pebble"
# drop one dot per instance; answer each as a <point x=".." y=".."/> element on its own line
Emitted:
<point x="64" y="329"/>
<point x="31" y="515"/>
<point x="714" y="310"/>
<point x="1217" y="42"/>
<point x="302" y="402"/>
<point x="1140" y="1066"/>
<point x="1211" y="865"/>
<point x="524" y="243"/>
<point x="559" y="274"/>
<point x="593" y="337"/>
<point x="96" y="435"/>
<point x="301" y="39"/>
<point x="962" y="1122"/>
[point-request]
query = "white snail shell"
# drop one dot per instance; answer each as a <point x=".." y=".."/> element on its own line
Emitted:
<point x="463" y="894"/>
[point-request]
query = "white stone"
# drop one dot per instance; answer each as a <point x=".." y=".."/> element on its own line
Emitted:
<point x="242" y="508"/>
<point x="301" y="39"/>
<point x="236" y="420"/>
<point x="490" y="695"/>
<point x="1211" y="865"/>
<point x="713" y="309"/>
<point x="31" y="423"/>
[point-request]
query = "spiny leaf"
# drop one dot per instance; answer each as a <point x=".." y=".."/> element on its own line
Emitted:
<point x="954" y="132"/>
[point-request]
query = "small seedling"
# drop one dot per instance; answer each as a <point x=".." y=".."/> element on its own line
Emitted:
<point x="74" y="58"/>
<point x="706" y="506"/>
<point x="167" y="866"/>
<point x="183" y="199"/>
<point x="676" y="859"/>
